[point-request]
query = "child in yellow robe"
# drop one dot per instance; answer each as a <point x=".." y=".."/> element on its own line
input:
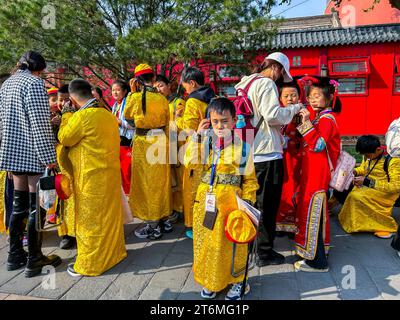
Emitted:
<point x="368" y="207"/>
<point x="233" y="174"/>
<point x="92" y="137"/>
<point x="195" y="111"/>
<point x="150" y="194"/>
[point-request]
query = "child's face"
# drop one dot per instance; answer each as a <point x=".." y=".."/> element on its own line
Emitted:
<point x="117" y="92"/>
<point x="53" y="103"/>
<point x="373" y="155"/>
<point x="63" y="99"/>
<point x="222" y="123"/>
<point x="289" y="96"/>
<point x="317" y="99"/>
<point x="163" y="88"/>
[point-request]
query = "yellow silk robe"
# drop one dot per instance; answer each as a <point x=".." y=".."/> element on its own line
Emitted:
<point x="177" y="169"/>
<point x="211" y="248"/>
<point x="195" y="111"/>
<point x="67" y="227"/>
<point x="150" y="194"/>
<point x="370" y="209"/>
<point x="92" y="138"/>
<point x="3" y="176"/>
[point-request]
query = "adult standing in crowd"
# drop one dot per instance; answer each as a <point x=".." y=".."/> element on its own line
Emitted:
<point x="268" y="146"/>
<point x="27" y="148"/>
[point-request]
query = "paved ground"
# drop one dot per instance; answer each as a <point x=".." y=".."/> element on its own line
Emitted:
<point x="361" y="267"/>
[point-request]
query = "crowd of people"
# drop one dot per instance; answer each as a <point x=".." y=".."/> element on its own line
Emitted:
<point x="189" y="158"/>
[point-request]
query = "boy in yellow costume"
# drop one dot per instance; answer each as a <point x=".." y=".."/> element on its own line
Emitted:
<point x="229" y="170"/>
<point x="92" y="137"/>
<point x="368" y="207"/>
<point x="150" y="194"/>
<point x="176" y="108"/>
<point x="195" y="111"/>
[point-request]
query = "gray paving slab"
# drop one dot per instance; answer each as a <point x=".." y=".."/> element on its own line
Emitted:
<point x="162" y="269"/>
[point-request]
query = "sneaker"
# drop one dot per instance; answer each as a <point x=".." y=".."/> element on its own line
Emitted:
<point x="189" y="233"/>
<point x="174" y="217"/>
<point x="71" y="271"/>
<point x="67" y="242"/>
<point x="383" y="234"/>
<point x="166" y="226"/>
<point x="303" y="266"/>
<point x="205" y="294"/>
<point x="236" y="290"/>
<point x="147" y="232"/>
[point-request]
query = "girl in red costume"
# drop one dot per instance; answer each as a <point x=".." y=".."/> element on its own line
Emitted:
<point x="320" y="138"/>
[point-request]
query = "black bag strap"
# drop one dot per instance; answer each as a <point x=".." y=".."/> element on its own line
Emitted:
<point x="386" y="166"/>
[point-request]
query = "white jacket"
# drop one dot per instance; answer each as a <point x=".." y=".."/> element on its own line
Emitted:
<point x="264" y="96"/>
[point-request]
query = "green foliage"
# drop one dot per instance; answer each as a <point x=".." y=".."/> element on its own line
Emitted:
<point x="115" y="34"/>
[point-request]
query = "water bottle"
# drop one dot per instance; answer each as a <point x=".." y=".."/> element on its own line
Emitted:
<point x="241" y="123"/>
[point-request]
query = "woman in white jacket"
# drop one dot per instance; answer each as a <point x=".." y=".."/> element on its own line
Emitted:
<point x="268" y="146"/>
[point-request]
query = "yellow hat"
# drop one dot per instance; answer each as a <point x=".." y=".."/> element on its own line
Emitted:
<point x="239" y="228"/>
<point x="143" y="69"/>
<point x="52" y="90"/>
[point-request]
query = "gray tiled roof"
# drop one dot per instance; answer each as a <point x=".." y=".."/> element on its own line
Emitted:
<point x="338" y="36"/>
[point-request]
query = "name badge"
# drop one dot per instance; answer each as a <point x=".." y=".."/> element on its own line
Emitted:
<point x="211" y="211"/>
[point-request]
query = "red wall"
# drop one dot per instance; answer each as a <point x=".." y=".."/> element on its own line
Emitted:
<point x="361" y="114"/>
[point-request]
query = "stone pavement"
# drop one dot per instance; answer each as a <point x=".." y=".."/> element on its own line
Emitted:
<point x="361" y="267"/>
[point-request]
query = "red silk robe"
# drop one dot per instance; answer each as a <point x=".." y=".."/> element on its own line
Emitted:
<point x="318" y="136"/>
<point x="292" y="155"/>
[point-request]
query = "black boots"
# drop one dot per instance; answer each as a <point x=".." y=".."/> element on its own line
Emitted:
<point x="17" y="256"/>
<point x="36" y="259"/>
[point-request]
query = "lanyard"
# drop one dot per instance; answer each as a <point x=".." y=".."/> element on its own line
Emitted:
<point x="373" y="167"/>
<point x="214" y="167"/>
<point x="120" y="108"/>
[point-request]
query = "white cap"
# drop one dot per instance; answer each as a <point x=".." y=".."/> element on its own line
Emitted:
<point x="284" y="61"/>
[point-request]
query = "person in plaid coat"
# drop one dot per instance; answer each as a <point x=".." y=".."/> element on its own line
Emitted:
<point x="27" y="148"/>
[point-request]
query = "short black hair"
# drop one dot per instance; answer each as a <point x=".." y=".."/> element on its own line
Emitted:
<point x="192" y="73"/>
<point x="221" y="104"/>
<point x="123" y="85"/>
<point x="63" y="89"/>
<point x="161" y="78"/>
<point x="32" y="61"/>
<point x="80" y="88"/>
<point x="292" y="84"/>
<point x="367" y="144"/>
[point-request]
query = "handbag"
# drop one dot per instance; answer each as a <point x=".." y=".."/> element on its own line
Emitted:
<point x="342" y="176"/>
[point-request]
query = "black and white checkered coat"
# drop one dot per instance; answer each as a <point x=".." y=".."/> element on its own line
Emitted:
<point x="27" y="141"/>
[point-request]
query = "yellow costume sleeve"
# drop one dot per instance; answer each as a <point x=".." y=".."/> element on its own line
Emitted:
<point x="194" y="153"/>
<point x="71" y="129"/>
<point x="130" y="108"/>
<point x="362" y="169"/>
<point x="250" y="183"/>
<point x="392" y="186"/>
<point x="191" y="117"/>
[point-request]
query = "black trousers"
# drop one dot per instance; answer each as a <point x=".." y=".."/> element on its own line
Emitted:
<point x="125" y="142"/>
<point x="270" y="179"/>
<point x="320" y="260"/>
<point x="342" y="196"/>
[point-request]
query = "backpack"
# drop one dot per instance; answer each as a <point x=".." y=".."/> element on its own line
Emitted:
<point x="392" y="139"/>
<point x="245" y="113"/>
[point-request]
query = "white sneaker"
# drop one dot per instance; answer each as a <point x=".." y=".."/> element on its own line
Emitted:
<point x="147" y="232"/>
<point x="236" y="290"/>
<point x="205" y="294"/>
